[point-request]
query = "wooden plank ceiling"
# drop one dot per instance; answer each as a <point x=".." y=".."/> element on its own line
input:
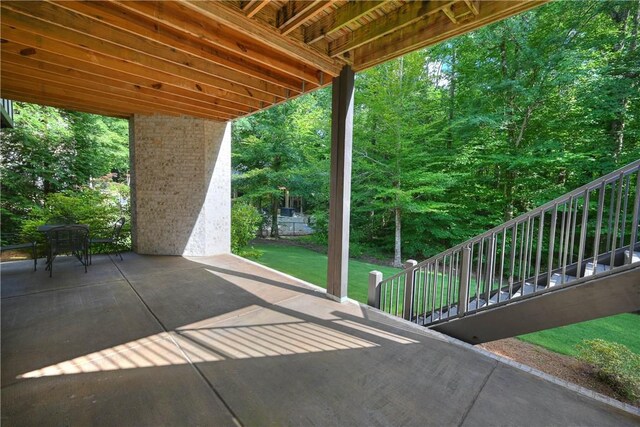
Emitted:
<point x="213" y="59"/>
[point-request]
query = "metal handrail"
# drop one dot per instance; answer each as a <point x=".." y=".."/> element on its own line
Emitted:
<point x="475" y="269"/>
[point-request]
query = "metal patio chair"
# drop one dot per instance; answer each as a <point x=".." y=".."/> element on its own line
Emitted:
<point x="68" y="239"/>
<point x="114" y="240"/>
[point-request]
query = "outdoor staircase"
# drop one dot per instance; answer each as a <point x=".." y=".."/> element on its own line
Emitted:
<point x="575" y="258"/>
<point x="503" y="294"/>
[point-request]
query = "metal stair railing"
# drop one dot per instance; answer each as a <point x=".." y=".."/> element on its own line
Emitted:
<point x="583" y="233"/>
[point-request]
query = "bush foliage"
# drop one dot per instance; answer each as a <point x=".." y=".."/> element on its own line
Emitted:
<point x="97" y="208"/>
<point x="245" y="221"/>
<point x="615" y="364"/>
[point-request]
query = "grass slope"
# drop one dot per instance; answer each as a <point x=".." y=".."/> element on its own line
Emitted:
<point x="312" y="267"/>
<point x="623" y="329"/>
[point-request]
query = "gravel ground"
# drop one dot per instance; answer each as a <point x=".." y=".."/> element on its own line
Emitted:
<point x="558" y="365"/>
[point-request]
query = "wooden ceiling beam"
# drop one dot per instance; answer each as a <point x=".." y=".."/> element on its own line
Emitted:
<point x="18" y="96"/>
<point x="40" y="70"/>
<point x="405" y="15"/>
<point x="38" y="42"/>
<point x="55" y="24"/>
<point x="250" y="8"/>
<point x="339" y="19"/>
<point x="178" y="17"/>
<point x="436" y="28"/>
<point x="123" y="20"/>
<point x="75" y="68"/>
<point x="43" y="90"/>
<point x="103" y="92"/>
<point x="266" y="34"/>
<point x="295" y="13"/>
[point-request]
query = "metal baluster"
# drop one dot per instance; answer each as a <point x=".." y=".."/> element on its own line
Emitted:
<point x="416" y="294"/>
<point x="552" y="238"/>
<point x="450" y="284"/>
<point x="514" y="236"/>
<point x="533" y="226"/>
<point x="455" y="280"/>
<point x="463" y="300"/>
<point x="523" y="262"/>
<point x="504" y="243"/>
<point x="470" y="268"/>
<point x="617" y="221"/>
<point x="434" y="283"/>
<point x="521" y="252"/>
<point x="634" y="224"/>
<point x="479" y="268"/>
<point x="596" y="242"/>
<point x="383" y="297"/>
<point x="613" y="197"/>
<point x="573" y="231"/>
<point x="562" y="233"/>
<point x="583" y="233"/>
<point x="440" y="288"/>
<point x="570" y="218"/>
<point x="490" y="257"/>
<point x="624" y="216"/>
<point x="390" y="297"/>
<point x="539" y="250"/>
<point x="425" y="302"/>
<point x="398" y="293"/>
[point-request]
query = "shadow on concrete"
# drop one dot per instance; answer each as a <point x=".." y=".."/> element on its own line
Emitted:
<point x="270" y="351"/>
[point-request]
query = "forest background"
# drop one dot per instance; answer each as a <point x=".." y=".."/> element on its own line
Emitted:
<point x="452" y="140"/>
<point x="449" y="141"/>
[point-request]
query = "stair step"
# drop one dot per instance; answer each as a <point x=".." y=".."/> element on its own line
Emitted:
<point x="528" y="288"/>
<point x="556" y="279"/>
<point x="499" y="297"/>
<point x="636" y="256"/>
<point x="474" y="304"/>
<point x="600" y="268"/>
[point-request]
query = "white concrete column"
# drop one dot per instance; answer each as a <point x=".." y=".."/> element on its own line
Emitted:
<point x="340" y="187"/>
<point x="180" y="185"/>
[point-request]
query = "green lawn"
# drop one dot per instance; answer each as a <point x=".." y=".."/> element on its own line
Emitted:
<point x="623" y="329"/>
<point x="311" y="266"/>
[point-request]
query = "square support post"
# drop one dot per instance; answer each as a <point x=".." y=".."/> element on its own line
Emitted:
<point x="375" y="278"/>
<point x="340" y="187"/>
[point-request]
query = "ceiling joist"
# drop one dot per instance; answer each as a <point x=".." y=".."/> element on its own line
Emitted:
<point x="342" y="17"/>
<point x="213" y="59"/>
<point x="295" y="13"/>
<point x="250" y="8"/>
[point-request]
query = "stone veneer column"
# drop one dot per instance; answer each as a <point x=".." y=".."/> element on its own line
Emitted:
<point x="180" y="185"/>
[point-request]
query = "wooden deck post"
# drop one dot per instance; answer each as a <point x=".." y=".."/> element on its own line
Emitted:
<point x="340" y="187"/>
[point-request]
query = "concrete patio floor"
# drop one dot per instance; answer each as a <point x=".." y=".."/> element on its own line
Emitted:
<point x="152" y="341"/>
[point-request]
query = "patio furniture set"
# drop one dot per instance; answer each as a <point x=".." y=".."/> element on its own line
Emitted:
<point x="63" y="238"/>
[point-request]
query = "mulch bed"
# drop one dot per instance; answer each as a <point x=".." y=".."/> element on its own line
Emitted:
<point x="564" y="367"/>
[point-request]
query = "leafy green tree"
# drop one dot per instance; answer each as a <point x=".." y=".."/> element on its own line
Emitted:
<point x="281" y="148"/>
<point x="51" y="150"/>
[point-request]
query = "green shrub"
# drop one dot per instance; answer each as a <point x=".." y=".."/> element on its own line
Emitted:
<point x="99" y="209"/>
<point x="245" y="220"/>
<point x="615" y="364"/>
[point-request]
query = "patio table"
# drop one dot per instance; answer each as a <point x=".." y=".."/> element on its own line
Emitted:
<point x="66" y="238"/>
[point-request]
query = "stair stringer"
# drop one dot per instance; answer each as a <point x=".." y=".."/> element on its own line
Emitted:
<point x="588" y="298"/>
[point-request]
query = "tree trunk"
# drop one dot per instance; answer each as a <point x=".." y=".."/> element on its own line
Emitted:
<point x="397" y="253"/>
<point x="617" y="125"/>
<point x="452" y="95"/>
<point x="275" y="204"/>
